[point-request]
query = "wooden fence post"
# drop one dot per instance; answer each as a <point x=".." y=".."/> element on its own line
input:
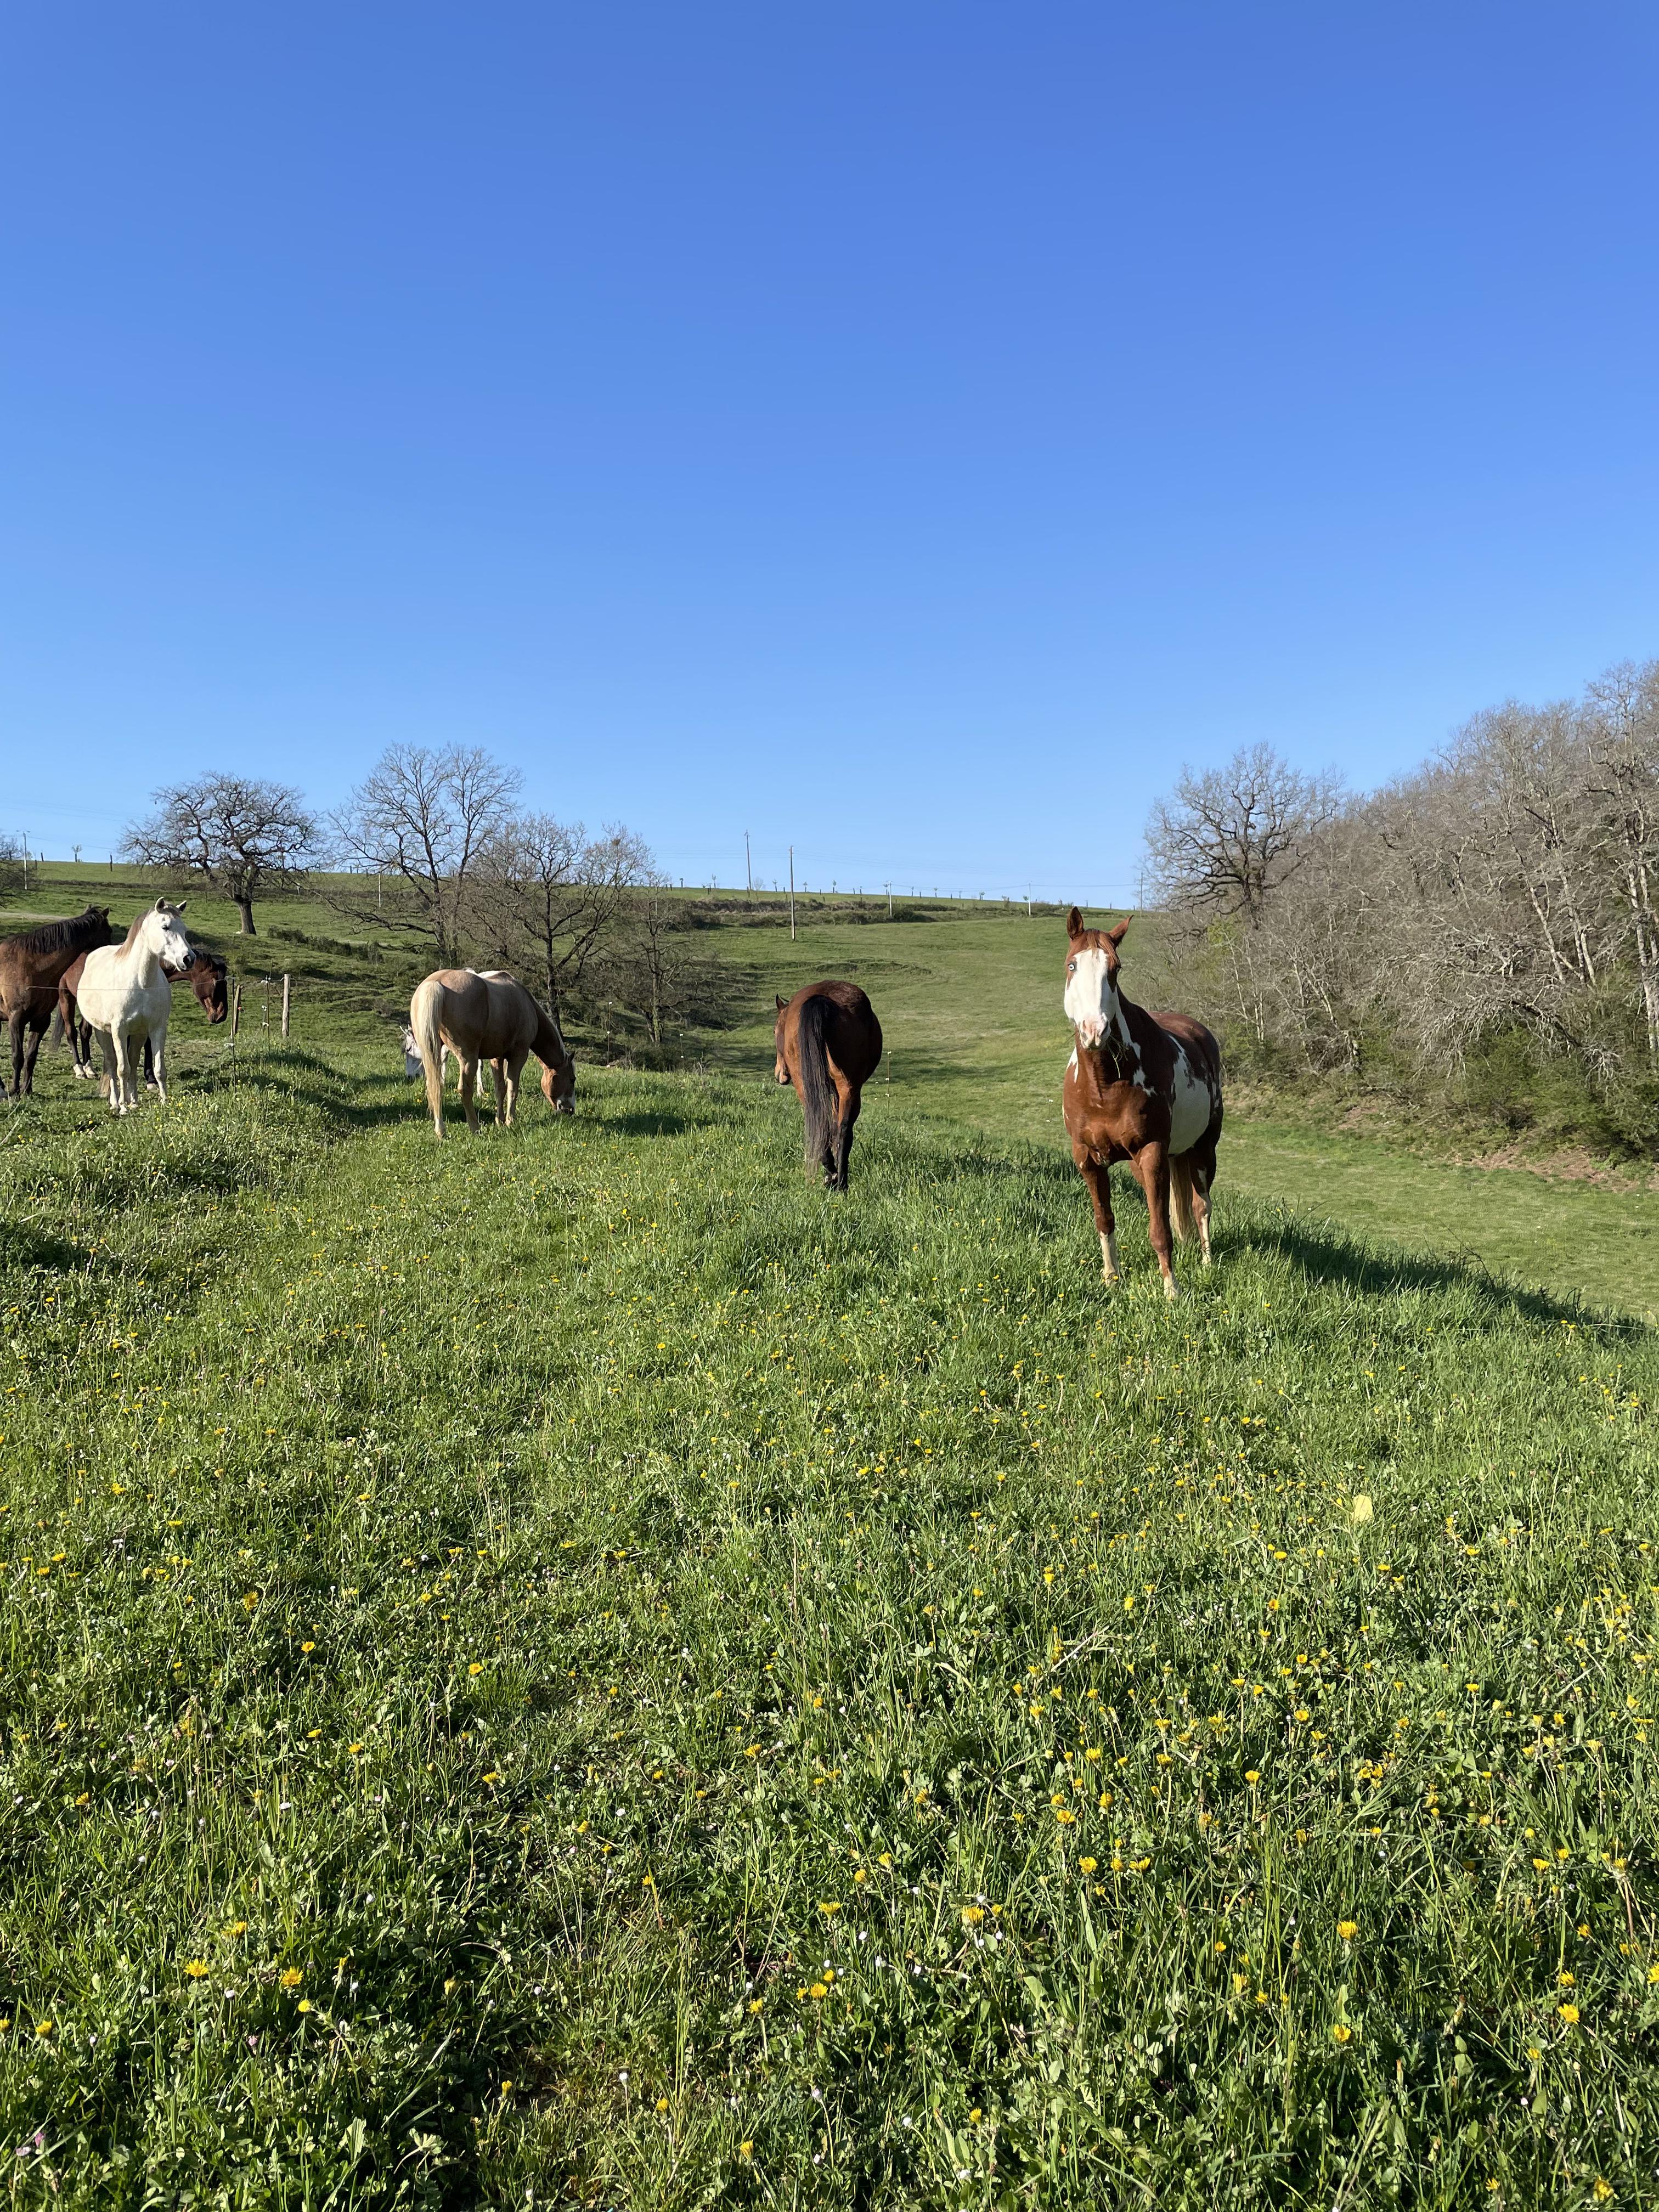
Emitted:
<point x="286" y="980"/>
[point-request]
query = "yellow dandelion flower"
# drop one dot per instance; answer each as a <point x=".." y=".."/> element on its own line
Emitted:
<point x="290" y="1978"/>
<point x="1065" y="1820"/>
<point x="44" y="2027"/>
<point x="196" y="1968"/>
<point x="307" y="1647"/>
<point x="818" y="1990"/>
<point x="1347" y="1929"/>
<point x="305" y="2004"/>
<point x="1253" y="1775"/>
<point x="830" y="1910"/>
<point x="746" y="2149"/>
<point x="1342" y="2033"/>
<point x="476" y="1668"/>
<point x="1088" y="1865"/>
<point x="1570" y="2013"/>
<point x="1601" y="2189"/>
<point x="971" y="1915"/>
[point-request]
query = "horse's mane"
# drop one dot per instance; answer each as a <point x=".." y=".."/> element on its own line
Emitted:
<point x="78" y="934"/>
<point x="548" y="1022"/>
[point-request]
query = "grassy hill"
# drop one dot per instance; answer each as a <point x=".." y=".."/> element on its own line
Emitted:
<point x="969" y="1000"/>
<point x="570" y="1667"/>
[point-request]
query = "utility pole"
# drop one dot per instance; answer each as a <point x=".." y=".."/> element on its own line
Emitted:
<point x="792" y="893"/>
<point x="889" y="902"/>
<point x="748" y="867"/>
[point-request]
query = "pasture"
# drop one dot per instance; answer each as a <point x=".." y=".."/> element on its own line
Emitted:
<point x="571" y="1666"/>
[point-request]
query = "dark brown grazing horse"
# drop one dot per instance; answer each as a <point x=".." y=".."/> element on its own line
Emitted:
<point x="31" y="968"/>
<point x="1145" y="1088"/>
<point x="208" y="978"/>
<point x="828" y="1045"/>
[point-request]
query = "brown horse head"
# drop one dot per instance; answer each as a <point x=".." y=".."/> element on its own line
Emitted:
<point x="1091" y="966"/>
<point x="559" y="1086"/>
<point x="210" y="981"/>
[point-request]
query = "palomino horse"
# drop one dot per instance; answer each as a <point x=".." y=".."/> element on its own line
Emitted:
<point x="828" y="1044"/>
<point x="210" y="979"/>
<point x="1145" y="1088"/>
<point x="31" y="968"/>
<point x="489" y="1017"/>
<point x="125" y="995"/>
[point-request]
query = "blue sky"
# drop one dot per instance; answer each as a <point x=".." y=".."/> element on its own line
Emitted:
<point x="909" y="430"/>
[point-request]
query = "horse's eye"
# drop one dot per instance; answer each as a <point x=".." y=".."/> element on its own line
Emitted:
<point x="1071" y="966"/>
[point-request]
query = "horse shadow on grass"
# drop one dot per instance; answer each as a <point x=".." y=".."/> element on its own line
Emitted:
<point x="1324" y="1255"/>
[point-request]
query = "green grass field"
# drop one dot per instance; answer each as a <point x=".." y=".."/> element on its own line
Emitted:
<point x="569" y="1667"/>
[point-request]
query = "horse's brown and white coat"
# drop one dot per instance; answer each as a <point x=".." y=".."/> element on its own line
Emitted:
<point x="1141" y="1087"/>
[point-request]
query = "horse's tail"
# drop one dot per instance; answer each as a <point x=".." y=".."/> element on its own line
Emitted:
<point x="1181" y="1198"/>
<point x="423" y="1020"/>
<point x="818" y="1095"/>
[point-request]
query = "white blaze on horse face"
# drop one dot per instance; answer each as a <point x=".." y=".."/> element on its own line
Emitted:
<point x="1091" y="1003"/>
<point x="1190" y="1104"/>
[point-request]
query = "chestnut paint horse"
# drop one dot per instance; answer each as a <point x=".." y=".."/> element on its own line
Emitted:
<point x="31" y="968"/>
<point x="1145" y="1088"/>
<point x="828" y="1044"/>
<point x="488" y="1017"/>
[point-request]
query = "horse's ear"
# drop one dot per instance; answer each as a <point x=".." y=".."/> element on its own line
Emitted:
<point x="1074" y="923"/>
<point x="782" y="1002"/>
<point x="1116" y="935"/>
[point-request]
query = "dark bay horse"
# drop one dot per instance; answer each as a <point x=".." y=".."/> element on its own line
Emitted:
<point x="208" y="978"/>
<point x="31" y="968"/>
<point x="488" y="1017"/>
<point x="828" y="1044"/>
<point x="1145" y="1088"/>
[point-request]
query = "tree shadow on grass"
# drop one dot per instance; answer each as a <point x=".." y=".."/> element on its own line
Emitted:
<point x="1325" y="1254"/>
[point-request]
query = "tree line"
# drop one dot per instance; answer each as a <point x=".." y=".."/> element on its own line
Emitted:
<point x="433" y="844"/>
<point x="1486" y="927"/>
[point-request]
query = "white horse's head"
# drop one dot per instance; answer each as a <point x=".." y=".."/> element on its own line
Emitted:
<point x="163" y="932"/>
<point x="1091" y="1002"/>
<point x="411" y="1053"/>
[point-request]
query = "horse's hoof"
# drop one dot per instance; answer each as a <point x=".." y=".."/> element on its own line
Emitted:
<point x="1172" y="1289"/>
<point x="1110" y="1280"/>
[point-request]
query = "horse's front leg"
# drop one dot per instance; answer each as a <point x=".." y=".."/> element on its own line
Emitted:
<point x="515" y="1077"/>
<point x="503" y="1101"/>
<point x="1152" y="1168"/>
<point x="32" y="1055"/>
<point x="468" y="1081"/>
<point x="1099" y="1177"/>
<point x="15" y="1024"/>
<point x="120" y="1045"/>
<point x="159" y="1039"/>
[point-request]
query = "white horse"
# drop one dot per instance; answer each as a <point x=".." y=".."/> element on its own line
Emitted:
<point x="125" y="996"/>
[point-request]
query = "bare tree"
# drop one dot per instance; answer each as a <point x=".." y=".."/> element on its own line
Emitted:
<point x="243" y="836"/>
<point x="1620" y="730"/>
<point x="1229" y="836"/>
<point x="549" y="895"/>
<point x="426" y="819"/>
